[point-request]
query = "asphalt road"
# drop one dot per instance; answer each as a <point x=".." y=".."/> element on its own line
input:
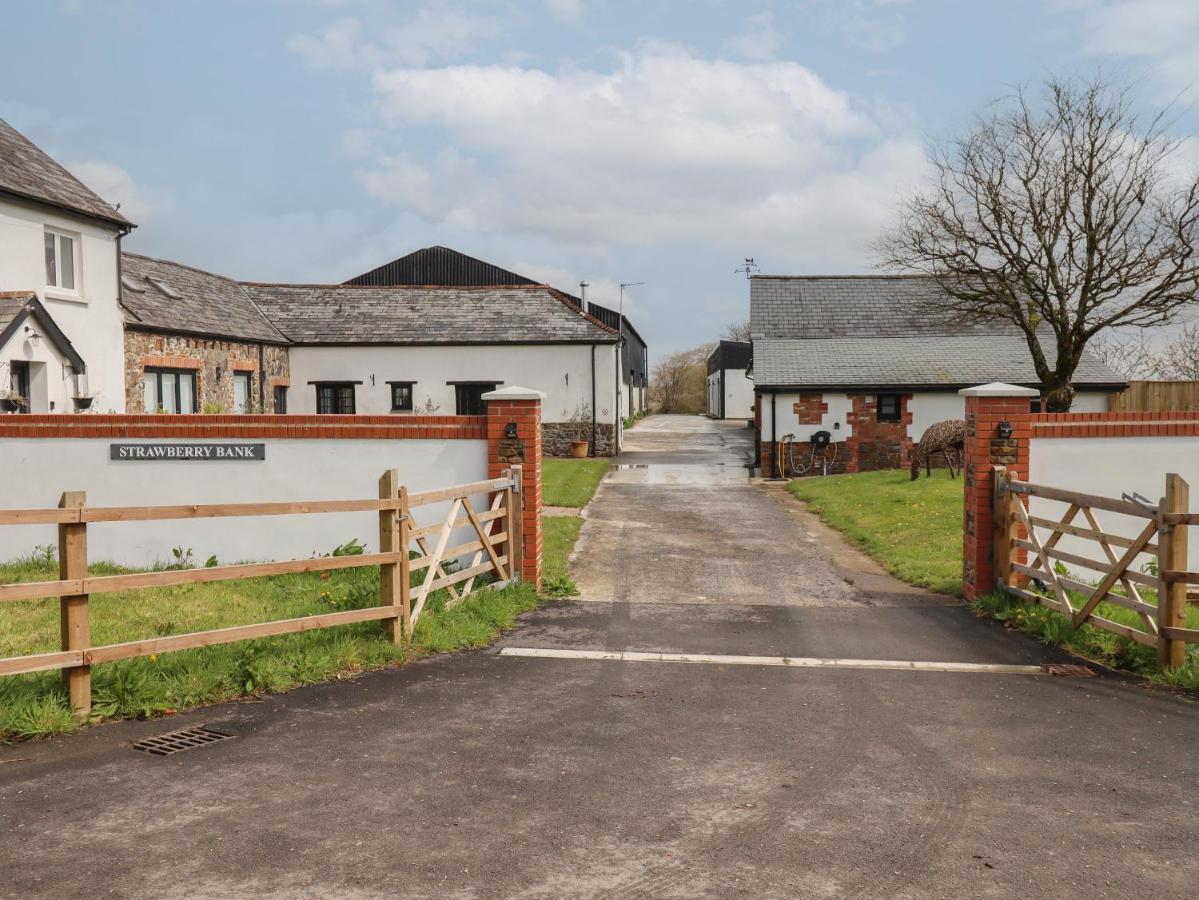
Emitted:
<point x="485" y="775"/>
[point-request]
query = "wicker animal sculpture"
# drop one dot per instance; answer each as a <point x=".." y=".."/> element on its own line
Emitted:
<point x="939" y="437"/>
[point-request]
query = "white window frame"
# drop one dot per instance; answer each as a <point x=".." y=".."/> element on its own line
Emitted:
<point x="55" y="289"/>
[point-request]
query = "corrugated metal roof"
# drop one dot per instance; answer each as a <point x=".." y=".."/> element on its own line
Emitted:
<point x="28" y="171"/>
<point x="438" y="266"/>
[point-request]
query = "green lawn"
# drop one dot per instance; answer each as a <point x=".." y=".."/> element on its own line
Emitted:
<point x="914" y="528"/>
<point x="570" y="482"/>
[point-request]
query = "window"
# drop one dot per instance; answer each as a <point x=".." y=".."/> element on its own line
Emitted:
<point x="335" y="398"/>
<point x="401" y="395"/>
<point x="888" y="407"/>
<point x="468" y="398"/>
<point x="281" y="399"/>
<point x="241" y="392"/>
<point x="169" y="390"/>
<point x="61" y="259"/>
<point x="19" y="385"/>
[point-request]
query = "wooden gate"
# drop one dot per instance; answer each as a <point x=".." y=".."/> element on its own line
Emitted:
<point x="406" y="549"/>
<point x="1143" y="569"/>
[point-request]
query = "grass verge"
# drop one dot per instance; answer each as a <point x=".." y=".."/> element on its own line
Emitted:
<point x="34" y="705"/>
<point x="571" y="482"/>
<point x="913" y="528"/>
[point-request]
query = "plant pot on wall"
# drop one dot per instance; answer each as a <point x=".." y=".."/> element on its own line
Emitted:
<point x="12" y="403"/>
<point x="82" y="403"/>
<point x="578" y="449"/>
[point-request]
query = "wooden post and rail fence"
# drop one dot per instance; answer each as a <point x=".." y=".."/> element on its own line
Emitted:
<point x="493" y="553"/>
<point x="1030" y="564"/>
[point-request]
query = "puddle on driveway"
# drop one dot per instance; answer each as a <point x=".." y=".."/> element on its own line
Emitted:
<point x="700" y="475"/>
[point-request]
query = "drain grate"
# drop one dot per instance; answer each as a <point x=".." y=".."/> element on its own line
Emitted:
<point x="178" y="741"/>
<point x="1069" y="670"/>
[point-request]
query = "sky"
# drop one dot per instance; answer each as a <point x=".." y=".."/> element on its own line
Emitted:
<point x="655" y="141"/>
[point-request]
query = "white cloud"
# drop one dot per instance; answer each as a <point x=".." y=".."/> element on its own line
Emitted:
<point x="758" y="41"/>
<point x="874" y="25"/>
<point x="566" y="10"/>
<point x="1162" y="33"/>
<point x="335" y="47"/>
<point x="438" y="31"/>
<point x="665" y="148"/>
<point x="116" y="186"/>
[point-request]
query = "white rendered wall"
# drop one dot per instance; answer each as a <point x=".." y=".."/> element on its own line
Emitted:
<point x="714" y="394"/>
<point x="1110" y="467"/>
<point x="929" y="409"/>
<point x="738" y="395"/>
<point x="1090" y="401"/>
<point x="835" y="421"/>
<point x="301" y="469"/>
<point x="92" y="318"/>
<point x="51" y="386"/>
<point x="562" y="371"/>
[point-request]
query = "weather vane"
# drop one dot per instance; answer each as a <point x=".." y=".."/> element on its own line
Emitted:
<point x="748" y="267"/>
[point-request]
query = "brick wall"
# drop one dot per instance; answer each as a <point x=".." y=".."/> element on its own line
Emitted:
<point x="875" y="445"/>
<point x="205" y="356"/>
<point x="525" y="450"/>
<point x="810" y="409"/>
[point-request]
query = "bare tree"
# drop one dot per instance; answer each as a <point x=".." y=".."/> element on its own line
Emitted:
<point x="1179" y="359"/>
<point x="737" y="331"/>
<point x="680" y="382"/>
<point x="1063" y="218"/>
<point x="1132" y="356"/>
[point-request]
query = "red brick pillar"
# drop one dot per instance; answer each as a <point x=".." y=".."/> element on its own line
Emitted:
<point x="986" y="408"/>
<point x="520" y="408"/>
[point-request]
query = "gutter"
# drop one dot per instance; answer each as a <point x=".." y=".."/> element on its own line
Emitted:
<point x="774" y="445"/>
<point x="593" y="426"/>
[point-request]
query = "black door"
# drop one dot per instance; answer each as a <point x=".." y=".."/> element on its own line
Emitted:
<point x="20" y="384"/>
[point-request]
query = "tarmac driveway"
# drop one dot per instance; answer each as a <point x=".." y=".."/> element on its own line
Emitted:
<point x="495" y="775"/>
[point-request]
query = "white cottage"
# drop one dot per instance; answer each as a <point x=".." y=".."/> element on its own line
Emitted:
<point x="60" y="318"/>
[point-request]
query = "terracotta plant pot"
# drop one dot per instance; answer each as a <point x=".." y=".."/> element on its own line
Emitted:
<point x="578" y="449"/>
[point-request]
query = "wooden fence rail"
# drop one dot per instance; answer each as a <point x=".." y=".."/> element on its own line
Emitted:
<point x="1030" y="565"/>
<point x="493" y="552"/>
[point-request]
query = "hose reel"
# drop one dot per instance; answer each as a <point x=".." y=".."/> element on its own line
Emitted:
<point x="821" y="445"/>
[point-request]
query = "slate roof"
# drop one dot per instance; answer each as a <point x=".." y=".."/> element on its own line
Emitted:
<point x="821" y="306"/>
<point x="27" y="171"/>
<point x="169" y="296"/>
<point x="931" y="361"/>
<point x="344" y="314"/>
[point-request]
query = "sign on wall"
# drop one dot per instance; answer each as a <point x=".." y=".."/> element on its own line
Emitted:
<point x="148" y="452"/>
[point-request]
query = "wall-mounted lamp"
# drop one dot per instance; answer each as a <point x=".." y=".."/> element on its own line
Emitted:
<point x="31" y="335"/>
<point x="1004" y="430"/>
<point x="510" y="431"/>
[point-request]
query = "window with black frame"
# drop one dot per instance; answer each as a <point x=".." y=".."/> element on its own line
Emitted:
<point x="335" y="398"/>
<point x="889" y="407"/>
<point x="468" y="397"/>
<point x="401" y="395"/>
<point x="280" y="399"/>
<point x="169" y="390"/>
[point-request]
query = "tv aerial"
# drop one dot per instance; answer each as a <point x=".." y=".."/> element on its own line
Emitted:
<point x="748" y="267"/>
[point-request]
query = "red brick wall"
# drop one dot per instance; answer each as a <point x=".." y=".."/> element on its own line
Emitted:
<point x="523" y="450"/>
<point x="810" y="409"/>
<point x="150" y="425"/>
<point x="877" y="445"/>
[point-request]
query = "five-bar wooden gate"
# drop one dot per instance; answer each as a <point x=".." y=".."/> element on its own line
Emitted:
<point x="414" y="561"/>
<point x="1143" y="570"/>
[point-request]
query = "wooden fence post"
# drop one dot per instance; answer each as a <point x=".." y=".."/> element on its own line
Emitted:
<point x="1004" y="526"/>
<point x="1172" y="557"/>
<point x="405" y="563"/>
<point x="390" y="577"/>
<point x="73" y="609"/>
<point x="516" y="534"/>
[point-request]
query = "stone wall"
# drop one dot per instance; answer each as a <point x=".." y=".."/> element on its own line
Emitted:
<point x="556" y="437"/>
<point x="205" y="356"/>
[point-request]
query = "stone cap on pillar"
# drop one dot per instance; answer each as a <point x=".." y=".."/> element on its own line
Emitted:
<point x="999" y="389"/>
<point x="514" y="393"/>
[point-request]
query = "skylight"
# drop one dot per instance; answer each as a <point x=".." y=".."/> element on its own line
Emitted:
<point x="165" y="288"/>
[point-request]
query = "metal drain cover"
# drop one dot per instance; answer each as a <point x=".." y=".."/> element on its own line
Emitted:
<point x="1069" y="670"/>
<point x="178" y="741"/>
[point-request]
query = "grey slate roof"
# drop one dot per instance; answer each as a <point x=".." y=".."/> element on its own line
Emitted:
<point x="804" y="306"/>
<point x="932" y="362"/>
<point x="202" y="303"/>
<point x="27" y="171"/>
<point x="344" y="314"/>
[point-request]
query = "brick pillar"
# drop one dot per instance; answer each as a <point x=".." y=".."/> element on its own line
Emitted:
<point x="520" y="407"/>
<point x="986" y="407"/>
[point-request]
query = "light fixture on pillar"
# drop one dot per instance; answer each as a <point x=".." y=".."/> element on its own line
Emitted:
<point x="510" y="431"/>
<point x="1004" y="430"/>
